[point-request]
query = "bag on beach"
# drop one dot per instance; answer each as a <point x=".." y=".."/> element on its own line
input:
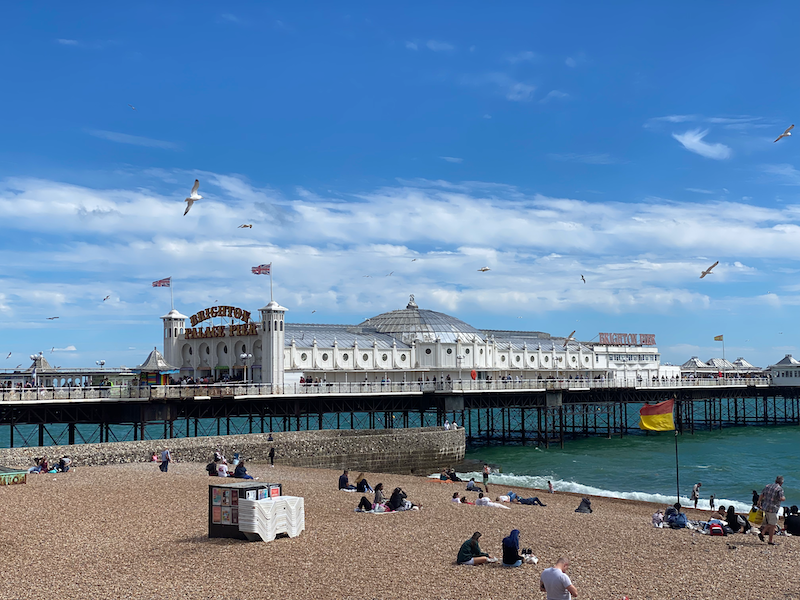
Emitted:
<point x="715" y="529"/>
<point x="756" y="516"/>
<point x="678" y="521"/>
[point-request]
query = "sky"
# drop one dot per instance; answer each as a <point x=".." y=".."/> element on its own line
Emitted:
<point x="380" y="151"/>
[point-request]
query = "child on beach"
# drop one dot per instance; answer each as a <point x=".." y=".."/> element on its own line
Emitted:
<point x="711" y="502"/>
<point x="550" y="487"/>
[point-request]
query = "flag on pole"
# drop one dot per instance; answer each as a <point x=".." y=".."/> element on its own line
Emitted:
<point x="163" y="282"/>
<point x="262" y="269"/>
<point x="657" y="417"/>
<point x="717" y="338"/>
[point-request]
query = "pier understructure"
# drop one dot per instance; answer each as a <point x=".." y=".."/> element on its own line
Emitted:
<point x="545" y="414"/>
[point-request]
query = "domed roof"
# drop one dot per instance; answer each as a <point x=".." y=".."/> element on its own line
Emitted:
<point x="412" y="323"/>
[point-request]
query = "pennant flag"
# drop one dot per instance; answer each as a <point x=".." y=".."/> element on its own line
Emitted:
<point x="657" y="417"/>
<point x="261" y="269"/>
<point x="717" y="338"/>
<point x="163" y="282"/>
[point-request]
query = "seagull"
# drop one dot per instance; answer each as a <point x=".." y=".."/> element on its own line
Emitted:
<point x="9" y="356"/>
<point x="132" y="106"/>
<point x="245" y="226"/>
<point x="786" y="133"/>
<point x="53" y="349"/>
<point x="193" y="196"/>
<point x="313" y="311"/>
<point x="18" y="366"/>
<point x="51" y="318"/>
<point x="413" y="260"/>
<point x="570" y="338"/>
<point x="583" y="279"/>
<point x="390" y="274"/>
<point x="484" y="269"/>
<point x="366" y="275"/>
<point x="106" y="298"/>
<point x="708" y="271"/>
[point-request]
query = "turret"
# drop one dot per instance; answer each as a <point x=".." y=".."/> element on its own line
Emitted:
<point x="272" y="332"/>
<point x="174" y="323"/>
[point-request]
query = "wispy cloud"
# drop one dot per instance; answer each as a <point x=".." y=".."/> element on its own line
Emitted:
<point x="230" y="18"/>
<point x="589" y="159"/>
<point x="526" y="56"/>
<point x="67" y="349"/>
<point x="412" y="46"/>
<point x="516" y="91"/>
<point x="438" y="46"/>
<point x="64" y="42"/>
<point x="789" y="174"/>
<point x="554" y="95"/>
<point x="692" y="140"/>
<point x="571" y="62"/>
<point x="700" y="191"/>
<point x="136" y="140"/>
<point x="452" y="159"/>
<point x="487" y="116"/>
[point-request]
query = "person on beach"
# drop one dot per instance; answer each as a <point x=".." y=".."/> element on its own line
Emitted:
<point x="511" y="557"/>
<point x="269" y="439"/>
<point x="453" y="477"/>
<point x="455" y="497"/>
<point x="658" y="519"/>
<point x="222" y="469"/>
<point x="736" y="522"/>
<point x="379" y="497"/>
<point x="696" y="493"/>
<point x="791" y="522"/>
<point x="64" y="463"/>
<point x="755" y="498"/>
<point x="482" y="500"/>
<point x="550" y="487"/>
<point x="472" y="486"/>
<point x="556" y="583"/>
<point x="166" y="458"/>
<point x="711" y="502"/>
<point x="465" y="501"/>
<point x="486" y="472"/>
<point x="154" y="458"/>
<point x="770" y="502"/>
<point x="344" y="481"/>
<point x="446" y="425"/>
<point x="272" y="455"/>
<point x="471" y="554"/>
<point x="443" y="476"/>
<point x="362" y="485"/>
<point x="241" y="471"/>
<point x="585" y="506"/>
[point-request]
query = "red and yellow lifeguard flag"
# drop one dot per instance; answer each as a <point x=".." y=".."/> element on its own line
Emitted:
<point x="657" y="417"/>
<point x="717" y="338"/>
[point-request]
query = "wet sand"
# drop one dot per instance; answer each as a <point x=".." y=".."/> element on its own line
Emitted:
<point x="130" y="531"/>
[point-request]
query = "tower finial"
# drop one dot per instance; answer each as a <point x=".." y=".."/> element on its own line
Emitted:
<point x="411" y="303"/>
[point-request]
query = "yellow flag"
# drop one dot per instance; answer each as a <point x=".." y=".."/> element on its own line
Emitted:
<point x="717" y="338"/>
<point x="657" y="417"/>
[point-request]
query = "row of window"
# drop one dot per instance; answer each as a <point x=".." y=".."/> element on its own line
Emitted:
<point x="633" y="357"/>
<point x="346" y="357"/>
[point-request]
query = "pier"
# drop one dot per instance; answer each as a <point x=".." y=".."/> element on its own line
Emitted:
<point x="538" y="412"/>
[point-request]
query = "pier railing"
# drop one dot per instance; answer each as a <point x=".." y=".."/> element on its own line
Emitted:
<point x="239" y="390"/>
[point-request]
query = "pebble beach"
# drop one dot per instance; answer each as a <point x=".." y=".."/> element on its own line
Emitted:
<point x="130" y="531"/>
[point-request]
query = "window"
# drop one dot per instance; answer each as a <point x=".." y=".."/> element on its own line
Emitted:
<point x="281" y="325"/>
<point x="546" y="359"/>
<point x="449" y="350"/>
<point x="427" y="351"/>
<point x="365" y="357"/>
<point x="225" y="349"/>
<point x="533" y="358"/>
<point x="384" y="357"/>
<point x="503" y="358"/>
<point x="481" y="350"/>
<point x="586" y="359"/>
<point x="466" y="351"/>
<point x="324" y="356"/>
<point x="304" y="356"/>
<point x="208" y="350"/>
<point x="402" y="357"/>
<point x="517" y="359"/>
<point x="345" y="356"/>
<point x="190" y="350"/>
<point x="574" y="359"/>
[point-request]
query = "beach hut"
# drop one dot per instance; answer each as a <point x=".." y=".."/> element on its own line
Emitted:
<point x="155" y="370"/>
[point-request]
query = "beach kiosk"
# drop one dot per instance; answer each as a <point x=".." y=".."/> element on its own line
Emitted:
<point x="223" y="504"/>
<point x="155" y="370"/>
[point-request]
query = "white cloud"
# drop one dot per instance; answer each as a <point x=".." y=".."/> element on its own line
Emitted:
<point x="487" y="116"/>
<point x="230" y="18"/>
<point x="124" y="138"/>
<point x="589" y="159"/>
<point x="452" y="159"/>
<point x="512" y="89"/>
<point x="675" y="118"/>
<point x="554" y="94"/>
<point x="789" y="174"/>
<point x="64" y="42"/>
<point x="692" y="140"/>
<point x="571" y="62"/>
<point x="67" y="349"/>
<point x="526" y="56"/>
<point x="700" y="191"/>
<point x="437" y="46"/>
<point x="411" y="46"/>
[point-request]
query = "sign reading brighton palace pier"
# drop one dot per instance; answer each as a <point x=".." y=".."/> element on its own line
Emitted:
<point x="628" y="339"/>
<point x="246" y="328"/>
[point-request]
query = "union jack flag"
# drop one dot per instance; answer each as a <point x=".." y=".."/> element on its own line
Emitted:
<point x="162" y="282"/>
<point x="261" y="269"/>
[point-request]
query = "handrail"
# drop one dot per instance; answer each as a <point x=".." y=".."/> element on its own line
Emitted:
<point x="226" y="390"/>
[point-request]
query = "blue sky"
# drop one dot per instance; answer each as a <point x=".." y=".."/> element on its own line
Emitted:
<point x="629" y="143"/>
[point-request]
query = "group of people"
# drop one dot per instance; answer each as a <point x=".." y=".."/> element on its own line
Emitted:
<point x="218" y="467"/>
<point x="397" y="501"/>
<point x="42" y="466"/>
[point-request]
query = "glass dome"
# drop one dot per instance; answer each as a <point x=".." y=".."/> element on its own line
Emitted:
<point x="412" y="323"/>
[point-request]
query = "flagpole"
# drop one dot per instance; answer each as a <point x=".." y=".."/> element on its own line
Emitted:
<point x="677" y="469"/>
<point x="270" y="282"/>
<point x="171" y="297"/>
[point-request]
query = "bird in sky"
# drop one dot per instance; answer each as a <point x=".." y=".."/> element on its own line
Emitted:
<point x="583" y="279"/>
<point x="52" y="318"/>
<point x="786" y="133"/>
<point x="366" y="275"/>
<point x="18" y="366"/>
<point x="9" y="356"/>
<point x="413" y="260"/>
<point x="132" y="106"/>
<point x="390" y="274"/>
<point x="484" y="269"/>
<point x="313" y="311"/>
<point x="570" y="338"/>
<point x="106" y="298"/>
<point x="193" y="197"/>
<point x="245" y="226"/>
<point x="708" y="270"/>
<point x="53" y="349"/>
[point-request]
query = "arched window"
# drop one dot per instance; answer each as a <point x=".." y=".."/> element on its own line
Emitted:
<point x="281" y="325"/>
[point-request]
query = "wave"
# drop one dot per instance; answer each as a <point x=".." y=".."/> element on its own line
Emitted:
<point x="560" y="485"/>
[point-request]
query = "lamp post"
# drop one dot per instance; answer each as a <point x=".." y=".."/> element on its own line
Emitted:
<point x="459" y="358"/>
<point x="245" y="356"/>
<point x="33" y="372"/>
<point x="100" y="363"/>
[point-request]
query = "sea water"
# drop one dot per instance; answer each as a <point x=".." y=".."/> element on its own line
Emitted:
<point x="730" y="464"/>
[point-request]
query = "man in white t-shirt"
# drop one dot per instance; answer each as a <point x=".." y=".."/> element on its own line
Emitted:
<point x="222" y="470"/>
<point x="556" y="582"/>
<point x="481" y="500"/>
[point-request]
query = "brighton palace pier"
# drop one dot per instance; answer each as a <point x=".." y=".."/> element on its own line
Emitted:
<point x="410" y="344"/>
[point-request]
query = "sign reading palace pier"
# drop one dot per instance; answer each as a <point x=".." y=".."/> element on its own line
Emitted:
<point x="628" y="339"/>
<point x="246" y="328"/>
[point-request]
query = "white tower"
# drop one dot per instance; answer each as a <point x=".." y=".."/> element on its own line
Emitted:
<point x="272" y="325"/>
<point x="174" y="324"/>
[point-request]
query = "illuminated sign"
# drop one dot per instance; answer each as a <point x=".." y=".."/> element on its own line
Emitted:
<point x="246" y="328"/>
<point x="219" y="311"/>
<point x="628" y="339"/>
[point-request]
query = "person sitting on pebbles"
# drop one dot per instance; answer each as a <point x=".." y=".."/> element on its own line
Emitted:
<point x="471" y="554"/>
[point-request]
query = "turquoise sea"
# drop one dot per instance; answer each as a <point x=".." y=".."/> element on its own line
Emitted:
<point x="730" y="463"/>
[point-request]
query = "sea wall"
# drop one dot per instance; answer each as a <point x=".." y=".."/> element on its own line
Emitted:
<point x="419" y="451"/>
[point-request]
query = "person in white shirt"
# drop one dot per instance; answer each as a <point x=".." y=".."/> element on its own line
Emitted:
<point x="446" y="425"/>
<point x="222" y="470"/>
<point x="482" y="500"/>
<point x="556" y="583"/>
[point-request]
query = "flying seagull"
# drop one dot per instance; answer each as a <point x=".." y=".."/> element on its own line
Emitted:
<point x="484" y="269"/>
<point x="132" y="106"/>
<point x="413" y="260"/>
<point x="18" y="366"/>
<point x="313" y="311"/>
<point x="9" y="356"/>
<point x="583" y="279"/>
<point x="245" y="226"/>
<point x="193" y="196"/>
<point x="53" y="349"/>
<point x="570" y="338"/>
<point x="366" y="275"/>
<point x="786" y="133"/>
<point x="390" y="274"/>
<point x="708" y="271"/>
<point x="106" y="298"/>
<point x="51" y="318"/>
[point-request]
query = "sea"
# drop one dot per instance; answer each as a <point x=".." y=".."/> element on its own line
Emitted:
<point x="730" y="463"/>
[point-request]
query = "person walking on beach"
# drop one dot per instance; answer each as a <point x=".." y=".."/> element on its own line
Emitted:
<point x="711" y="502"/>
<point x="166" y="458"/>
<point x="696" y="493"/>
<point x="770" y="502"/>
<point x="272" y="457"/>
<point x="486" y="471"/>
<point x="550" y="487"/>
<point x="556" y="583"/>
<point x="471" y="554"/>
